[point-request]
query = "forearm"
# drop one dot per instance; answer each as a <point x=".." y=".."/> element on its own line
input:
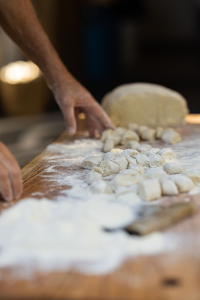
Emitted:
<point x="20" y="22"/>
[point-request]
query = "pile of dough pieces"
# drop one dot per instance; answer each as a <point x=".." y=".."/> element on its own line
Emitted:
<point x="142" y="173"/>
<point x="126" y="137"/>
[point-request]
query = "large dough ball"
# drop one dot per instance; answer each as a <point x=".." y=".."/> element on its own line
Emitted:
<point x="145" y="104"/>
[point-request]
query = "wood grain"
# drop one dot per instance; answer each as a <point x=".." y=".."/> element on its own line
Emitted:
<point x="172" y="275"/>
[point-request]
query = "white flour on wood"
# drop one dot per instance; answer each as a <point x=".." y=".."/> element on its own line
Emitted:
<point x="67" y="233"/>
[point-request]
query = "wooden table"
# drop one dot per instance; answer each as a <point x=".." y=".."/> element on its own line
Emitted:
<point x="171" y="275"/>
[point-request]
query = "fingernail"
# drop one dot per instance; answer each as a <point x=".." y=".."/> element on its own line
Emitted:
<point x="70" y="130"/>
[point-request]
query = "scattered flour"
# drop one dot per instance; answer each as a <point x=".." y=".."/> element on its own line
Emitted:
<point x="68" y="232"/>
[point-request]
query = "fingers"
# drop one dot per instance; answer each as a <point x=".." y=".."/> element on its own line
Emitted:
<point x="70" y="121"/>
<point x="10" y="175"/>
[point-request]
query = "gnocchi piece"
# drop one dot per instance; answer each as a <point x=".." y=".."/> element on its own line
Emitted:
<point x="132" y="126"/>
<point x="126" y="180"/>
<point x="93" y="176"/>
<point x="137" y="168"/>
<point x="142" y="160"/>
<point x="132" y="145"/>
<point x="106" y="134"/>
<point x="91" y="161"/>
<point x="159" y="132"/>
<point x="129" y="152"/>
<point x="116" y="151"/>
<point x="152" y="151"/>
<point x="98" y="186"/>
<point x="143" y="148"/>
<point x="120" y="130"/>
<point x="97" y="169"/>
<point x="108" y="146"/>
<point x="109" y="168"/>
<point x="149" y="189"/>
<point x="121" y="161"/>
<point x="155" y="173"/>
<point x="129" y="135"/>
<point x="171" y="137"/>
<point x="194" y="176"/>
<point x="148" y="134"/>
<point x="168" y="155"/>
<point x="129" y="172"/>
<point x="173" y="168"/>
<point x="184" y="184"/>
<point x="168" y="187"/>
<point x="110" y="155"/>
<point x="131" y="160"/>
<point x="141" y="128"/>
<point x="156" y="160"/>
<point x="116" y="138"/>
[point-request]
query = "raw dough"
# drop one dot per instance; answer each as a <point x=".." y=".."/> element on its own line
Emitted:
<point x="148" y="134"/>
<point x="110" y="155"/>
<point x="142" y="160"/>
<point x="143" y="148"/>
<point x="91" y="161"/>
<point x="129" y="135"/>
<point x="159" y="132"/>
<point x="171" y="137"/>
<point x="173" y="168"/>
<point x="106" y="134"/>
<point x="121" y="162"/>
<point x="116" y="138"/>
<point x="168" y="155"/>
<point x="155" y="173"/>
<point x="152" y="151"/>
<point x="116" y="151"/>
<point x="132" y="145"/>
<point x="168" y="187"/>
<point x="156" y="160"/>
<point x="183" y="183"/>
<point x="129" y="152"/>
<point x="137" y="168"/>
<point x="149" y="189"/>
<point x="145" y="104"/>
<point x="126" y="180"/>
<point x="98" y="186"/>
<point x="130" y="172"/>
<point x="132" y="126"/>
<point x="109" y="168"/>
<point x="194" y="176"/>
<point x="131" y="160"/>
<point x="109" y="145"/>
<point x="93" y="176"/>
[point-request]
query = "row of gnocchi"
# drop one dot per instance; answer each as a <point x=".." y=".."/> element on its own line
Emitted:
<point x="122" y="136"/>
<point x="146" y="173"/>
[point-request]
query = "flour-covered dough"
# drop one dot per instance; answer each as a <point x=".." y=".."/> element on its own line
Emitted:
<point x="173" y="168"/>
<point x="183" y="183"/>
<point x="156" y="160"/>
<point x="109" y="168"/>
<point x="91" y="161"/>
<point x="132" y="145"/>
<point x="168" y="155"/>
<point x="129" y="135"/>
<point x="171" y="137"/>
<point x="145" y="104"/>
<point x="149" y="189"/>
<point x="142" y="160"/>
<point x="168" y="187"/>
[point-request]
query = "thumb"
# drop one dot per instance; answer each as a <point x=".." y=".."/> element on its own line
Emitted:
<point x="70" y="121"/>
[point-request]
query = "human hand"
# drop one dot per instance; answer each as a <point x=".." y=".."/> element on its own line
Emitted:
<point x="72" y="98"/>
<point x="10" y="176"/>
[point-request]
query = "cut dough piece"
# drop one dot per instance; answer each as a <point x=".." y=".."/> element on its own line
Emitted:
<point x="121" y="161"/>
<point x="149" y="189"/>
<point x="109" y="145"/>
<point x="152" y="151"/>
<point x="126" y="180"/>
<point x="98" y="170"/>
<point x="155" y="173"/>
<point x="129" y="152"/>
<point x="183" y="183"/>
<point x="110" y="155"/>
<point x="171" y="137"/>
<point x="91" y="161"/>
<point x="142" y="160"/>
<point x="156" y="161"/>
<point x="116" y="138"/>
<point x="131" y="160"/>
<point x="98" y="186"/>
<point x="120" y="130"/>
<point x="141" y="128"/>
<point x="129" y="135"/>
<point x="116" y="151"/>
<point x="159" y="132"/>
<point x="120" y="190"/>
<point x="132" y="145"/>
<point x="137" y="168"/>
<point x="168" y="155"/>
<point x="148" y="134"/>
<point x="130" y="172"/>
<point x="129" y="198"/>
<point x="106" y="134"/>
<point x="168" y="187"/>
<point x="145" y="104"/>
<point x="93" y="176"/>
<point x="132" y="126"/>
<point x="173" y="168"/>
<point x="143" y="148"/>
<point x="109" y="168"/>
<point x="194" y="176"/>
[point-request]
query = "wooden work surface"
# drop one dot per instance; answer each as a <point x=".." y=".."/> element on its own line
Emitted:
<point x="170" y="275"/>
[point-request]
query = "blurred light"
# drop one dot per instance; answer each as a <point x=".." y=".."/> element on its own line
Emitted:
<point x="19" y="72"/>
